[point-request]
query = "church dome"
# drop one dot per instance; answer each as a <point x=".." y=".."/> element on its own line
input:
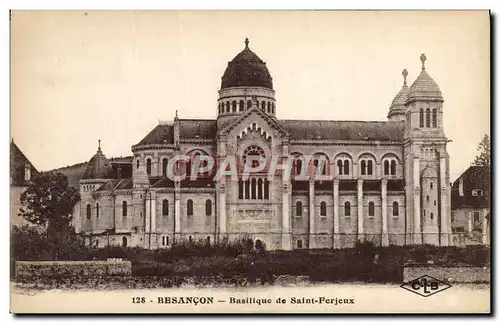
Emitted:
<point x="98" y="166"/>
<point x="424" y="87"/>
<point x="247" y="69"/>
<point x="397" y="107"/>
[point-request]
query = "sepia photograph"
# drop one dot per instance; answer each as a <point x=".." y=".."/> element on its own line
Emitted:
<point x="266" y="162"/>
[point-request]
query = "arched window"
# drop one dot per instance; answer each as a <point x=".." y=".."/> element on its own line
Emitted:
<point x="263" y="106"/>
<point x="247" y="189"/>
<point x="97" y="210"/>
<point x="363" y="167"/>
<point x="299" y="244"/>
<point x="208" y="240"/>
<point x="254" y="188"/>
<point x="347" y="209"/>
<point x="148" y="166"/>
<point x="421" y="117"/>
<point x="165" y="208"/>
<point x="272" y="107"/>
<point x="322" y="209"/>
<point x="369" y="167"/>
<point x="371" y="209"/>
<point x="395" y="209"/>
<point x="89" y="211"/>
<point x="431" y="185"/>
<point x="240" y="189"/>
<point x="393" y="167"/>
<point x="427" y="118"/>
<point x="124" y="208"/>
<point x="339" y="167"/>
<point x="298" y="165"/>
<point x="268" y="107"/>
<point x="249" y="104"/>
<point x="266" y="189"/>
<point x="190" y="239"/>
<point x="242" y="105"/>
<point x="137" y="163"/>
<point x="259" y="189"/>
<point x="432" y="215"/>
<point x="228" y="107"/>
<point x="189" y="165"/>
<point x="167" y="242"/>
<point x="190" y="207"/>
<point x="298" y="207"/>
<point x="434" y="118"/>
<point x="164" y="164"/>
<point x="320" y="161"/>
<point x="163" y="240"/>
<point x="234" y="105"/>
<point x="346" y="167"/>
<point x="208" y="208"/>
<point x="124" y="242"/>
<point x="386" y="168"/>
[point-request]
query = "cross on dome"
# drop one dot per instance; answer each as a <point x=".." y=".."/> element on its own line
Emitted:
<point x="423" y="58"/>
<point x="246" y="42"/>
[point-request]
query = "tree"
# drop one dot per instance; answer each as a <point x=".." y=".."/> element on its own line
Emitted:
<point x="483" y="157"/>
<point x="48" y="202"/>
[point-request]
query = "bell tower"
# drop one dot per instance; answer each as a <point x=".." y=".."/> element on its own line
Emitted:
<point x="426" y="163"/>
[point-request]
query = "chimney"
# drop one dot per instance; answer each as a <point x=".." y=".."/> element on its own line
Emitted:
<point x="461" y="186"/>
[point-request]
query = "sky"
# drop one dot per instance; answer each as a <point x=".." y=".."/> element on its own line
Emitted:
<point x="77" y="76"/>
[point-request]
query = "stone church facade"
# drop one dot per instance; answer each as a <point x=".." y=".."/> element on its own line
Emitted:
<point x="384" y="181"/>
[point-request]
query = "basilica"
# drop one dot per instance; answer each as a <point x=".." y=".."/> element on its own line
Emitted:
<point x="385" y="181"/>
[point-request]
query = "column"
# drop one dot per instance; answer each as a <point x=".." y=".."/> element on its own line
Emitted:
<point x="417" y="232"/>
<point x="152" y="201"/>
<point x="485" y="227"/>
<point x="385" y="233"/>
<point x="222" y="212"/>
<point x="312" y="217"/>
<point x="336" y="215"/>
<point x="361" y="236"/>
<point x="445" y="204"/>
<point x="469" y="222"/>
<point x="177" y="212"/>
<point x="286" y="241"/>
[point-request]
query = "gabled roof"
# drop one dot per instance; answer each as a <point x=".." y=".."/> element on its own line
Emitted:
<point x="344" y="130"/>
<point x="18" y="162"/>
<point x="475" y="177"/>
<point x="254" y="110"/>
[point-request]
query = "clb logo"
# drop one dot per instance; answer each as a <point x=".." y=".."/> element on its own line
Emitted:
<point x="425" y="286"/>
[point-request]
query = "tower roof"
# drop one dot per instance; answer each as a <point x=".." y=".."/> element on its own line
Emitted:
<point x="398" y="104"/>
<point x="246" y="69"/>
<point x="98" y="166"/>
<point x="424" y="87"/>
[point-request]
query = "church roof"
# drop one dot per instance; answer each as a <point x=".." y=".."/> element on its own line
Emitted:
<point x="424" y="86"/>
<point x="398" y="104"/>
<point x="344" y="130"/>
<point x="98" y="166"/>
<point x="159" y="134"/>
<point x="198" y="128"/>
<point x="246" y="69"/>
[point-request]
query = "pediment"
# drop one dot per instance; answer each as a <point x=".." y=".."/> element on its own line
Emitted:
<point x="262" y="119"/>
